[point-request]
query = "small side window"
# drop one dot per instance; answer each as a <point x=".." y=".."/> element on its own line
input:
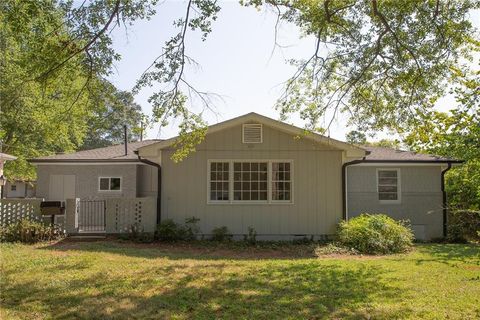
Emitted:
<point x="115" y="184"/>
<point x="104" y="184"/>
<point x="388" y="182"/>
<point x="13" y="187"/>
<point x="109" y="184"/>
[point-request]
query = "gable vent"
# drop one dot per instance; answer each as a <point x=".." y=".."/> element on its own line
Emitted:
<point x="252" y="133"/>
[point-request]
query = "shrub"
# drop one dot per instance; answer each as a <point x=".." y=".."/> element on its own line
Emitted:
<point x="463" y="226"/>
<point x="333" y="248"/>
<point x="251" y="237"/>
<point x="191" y="228"/>
<point x="375" y="234"/>
<point x="136" y="233"/>
<point x="303" y="240"/>
<point x="221" y="234"/>
<point x="168" y="230"/>
<point x="29" y="231"/>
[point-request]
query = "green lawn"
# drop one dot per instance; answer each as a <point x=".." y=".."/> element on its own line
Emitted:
<point x="109" y="279"/>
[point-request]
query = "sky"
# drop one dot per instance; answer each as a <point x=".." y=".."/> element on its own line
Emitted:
<point x="236" y="62"/>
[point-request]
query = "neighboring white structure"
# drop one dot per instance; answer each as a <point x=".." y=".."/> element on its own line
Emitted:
<point x="3" y="157"/>
<point x="19" y="189"/>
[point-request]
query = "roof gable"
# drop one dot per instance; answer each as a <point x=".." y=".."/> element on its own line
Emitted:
<point x="352" y="151"/>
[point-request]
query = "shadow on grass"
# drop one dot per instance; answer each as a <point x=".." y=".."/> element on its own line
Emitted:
<point x="199" y="250"/>
<point x="300" y="289"/>
<point x="449" y="253"/>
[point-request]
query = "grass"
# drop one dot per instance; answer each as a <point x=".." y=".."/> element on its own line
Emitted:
<point x="118" y="280"/>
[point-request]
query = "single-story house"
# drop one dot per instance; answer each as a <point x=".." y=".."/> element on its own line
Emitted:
<point x="253" y="171"/>
<point x="19" y="189"/>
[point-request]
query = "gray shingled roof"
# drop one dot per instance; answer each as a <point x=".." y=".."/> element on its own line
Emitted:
<point x="117" y="153"/>
<point x="388" y="154"/>
<point x="111" y="153"/>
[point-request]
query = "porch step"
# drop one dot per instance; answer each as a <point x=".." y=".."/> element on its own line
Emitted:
<point x="87" y="236"/>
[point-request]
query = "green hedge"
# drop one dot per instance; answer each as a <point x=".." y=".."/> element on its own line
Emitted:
<point x="375" y="234"/>
<point x="29" y="231"/>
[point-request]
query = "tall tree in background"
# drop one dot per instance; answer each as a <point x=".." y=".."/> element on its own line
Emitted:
<point x="105" y="125"/>
<point x="356" y="137"/>
<point x="39" y="117"/>
<point x="456" y="134"/>
<point x="50" y="80"/>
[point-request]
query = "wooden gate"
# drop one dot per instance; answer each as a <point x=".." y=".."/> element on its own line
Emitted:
<point x="91" y="216"/>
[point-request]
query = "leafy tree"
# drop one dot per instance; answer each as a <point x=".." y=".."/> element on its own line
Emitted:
<point x="356" y="137"/>
<point x="385" y="143"/>
<point x="38" y="117"/>
<point x="51" y="78"/>
<point x="383" y="63"/>
<point x="456" y="134"/>
<point x="106" y="124"/>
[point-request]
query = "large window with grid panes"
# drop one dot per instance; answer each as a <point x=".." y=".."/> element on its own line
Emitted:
<point x="250" y="181"/>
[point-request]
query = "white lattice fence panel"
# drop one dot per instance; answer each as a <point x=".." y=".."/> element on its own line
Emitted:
<point x="12" y="211"/>
<point x="122" y="214"/>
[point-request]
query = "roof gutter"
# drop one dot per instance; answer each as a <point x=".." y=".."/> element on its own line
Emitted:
<point x="444" y="200"/>
<point x="344" y="185"/>
<point x="80" y="160"/>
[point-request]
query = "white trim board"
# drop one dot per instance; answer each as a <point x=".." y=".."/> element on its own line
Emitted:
<point x="398" y="164"/>
<point x="88" y="163"/>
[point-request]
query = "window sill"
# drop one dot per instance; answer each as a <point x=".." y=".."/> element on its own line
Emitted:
<point x="390" y="201"/>
<point x="262" y="203"/>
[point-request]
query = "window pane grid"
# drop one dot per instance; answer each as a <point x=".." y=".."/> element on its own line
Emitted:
<point x="281" y="181"/>
<point x="250" y="181"/>
<point x="219" y="181"/>
<point x="387" y="185"/>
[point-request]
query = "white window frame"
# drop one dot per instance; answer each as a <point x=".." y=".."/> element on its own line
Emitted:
<point x="399" y="186"/>
<point x="109" y="184"/>
<point x="243" y="133"/>
<point x="269" y="183"/>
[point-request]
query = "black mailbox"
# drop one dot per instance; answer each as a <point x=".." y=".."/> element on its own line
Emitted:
<point x="52" y="208"/>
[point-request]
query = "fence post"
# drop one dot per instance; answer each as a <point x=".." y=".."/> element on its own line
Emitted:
<point x="71" y="215"/>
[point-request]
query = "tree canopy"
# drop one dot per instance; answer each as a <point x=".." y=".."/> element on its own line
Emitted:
<point x="50" y="99"/>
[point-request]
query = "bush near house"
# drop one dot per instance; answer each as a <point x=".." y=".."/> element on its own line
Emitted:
<point x="375" y="234"/>
<point x="29" y="231"/>
<point x="464" y="226"/>
<point x="221" y="234"/>
<point x="168" y="230"/>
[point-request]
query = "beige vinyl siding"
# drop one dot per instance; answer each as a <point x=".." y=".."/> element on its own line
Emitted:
<point x="316" y="206"/>
<point x="147" y="181"/>
<point x="421" y="196"/>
